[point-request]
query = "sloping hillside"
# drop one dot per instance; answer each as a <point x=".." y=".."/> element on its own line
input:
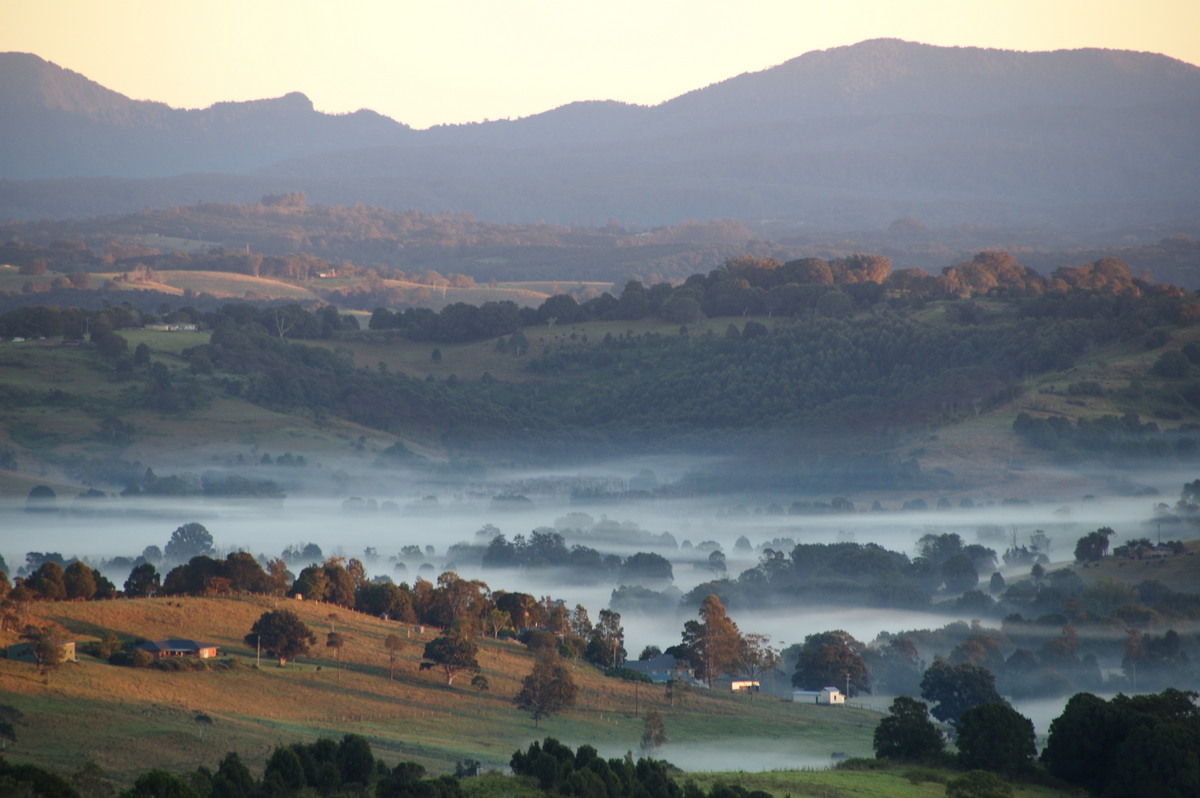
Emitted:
<point x="130" y="719"/>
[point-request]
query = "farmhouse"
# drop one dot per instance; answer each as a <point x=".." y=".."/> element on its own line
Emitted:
<point x="827" y="695"/>
<point x="162" y="649"/>
<point x="662" y="669"/>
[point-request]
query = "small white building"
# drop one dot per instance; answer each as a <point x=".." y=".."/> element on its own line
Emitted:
<point x="737" y="685"/>
<point x="827" y="695"/>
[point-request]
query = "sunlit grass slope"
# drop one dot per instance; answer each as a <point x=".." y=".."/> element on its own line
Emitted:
<point x="130" y="719"/>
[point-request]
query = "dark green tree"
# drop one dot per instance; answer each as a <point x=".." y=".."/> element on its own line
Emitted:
<point x="830" y="659"/>
<point x="79" y="580"/>
<point x="355" y="761"/>
<point x="953" y="689"/>
<point x="160" y="784"/>
<point x="232" y="779"/>
<point x="1145" y="745"/>
<point x="48" y="582"/>
<point x="907" y="733"/>
<point x="1094" y="545"/>
<point x="143" y="581"/>
<point x="997" y="738"/>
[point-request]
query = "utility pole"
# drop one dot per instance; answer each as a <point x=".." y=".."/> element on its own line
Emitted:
<point x="258" y="654"/>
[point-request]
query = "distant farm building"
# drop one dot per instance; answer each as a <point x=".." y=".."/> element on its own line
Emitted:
<point x="662" y="669"/>
<point x="827" y="695"/>
<point x="736" y="685"/>
<point x="163" y="649"/>
<point x="171" y="327"/>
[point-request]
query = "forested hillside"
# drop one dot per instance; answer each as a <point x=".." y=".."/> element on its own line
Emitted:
<point x="813" y="369"/>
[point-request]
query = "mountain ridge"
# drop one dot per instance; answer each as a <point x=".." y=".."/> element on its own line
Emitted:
<point x="881" y="129"/>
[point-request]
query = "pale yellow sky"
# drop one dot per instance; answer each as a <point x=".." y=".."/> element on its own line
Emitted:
<point x="449" y="61"/>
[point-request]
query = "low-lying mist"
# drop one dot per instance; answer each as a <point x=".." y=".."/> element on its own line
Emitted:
<point x="403" y="512"/>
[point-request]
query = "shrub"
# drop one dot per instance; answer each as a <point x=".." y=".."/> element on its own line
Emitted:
<point x="978" y="784"/>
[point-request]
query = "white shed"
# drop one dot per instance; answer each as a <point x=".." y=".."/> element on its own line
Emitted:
<point x="827" y="695"/>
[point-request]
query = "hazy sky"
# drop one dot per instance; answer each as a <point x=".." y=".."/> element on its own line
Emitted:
<point x="448" y="61"/>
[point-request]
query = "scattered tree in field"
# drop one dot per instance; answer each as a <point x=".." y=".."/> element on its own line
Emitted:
<point x="676" y="690"/>
<point x="336" y="641"/>
<point x="548" y="689"/>
<point x="203" y="722"/>
<point x="654" y="733"/>
<point x="907" y="733"/>
<point x="453" y="651"/>
<point x="47" y="652"/>
<point x="392" y="643"/>
<point x="481" y="685"/>
<point x="282" y="634"/>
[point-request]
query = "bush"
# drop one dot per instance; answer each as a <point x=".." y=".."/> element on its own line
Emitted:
<point x="919" y="775"/>
<point x="978" y="784"/>
<point x="628" y="674"/>
<point x="861" y="763"/>
<point x="140" y="658"/>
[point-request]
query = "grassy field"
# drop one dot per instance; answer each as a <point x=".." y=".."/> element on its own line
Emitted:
<point x="889" y="781"/>
<point x="128" y="719"/>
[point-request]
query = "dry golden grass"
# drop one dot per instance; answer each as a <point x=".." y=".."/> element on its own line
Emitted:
<point x="130" y="719"/>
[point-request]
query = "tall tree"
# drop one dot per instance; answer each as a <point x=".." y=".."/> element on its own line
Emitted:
<point x="606" y="647"/>
<point x="714" y="643"/>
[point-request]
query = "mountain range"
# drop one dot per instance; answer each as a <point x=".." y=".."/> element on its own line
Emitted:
<point x="847" y="138"/>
